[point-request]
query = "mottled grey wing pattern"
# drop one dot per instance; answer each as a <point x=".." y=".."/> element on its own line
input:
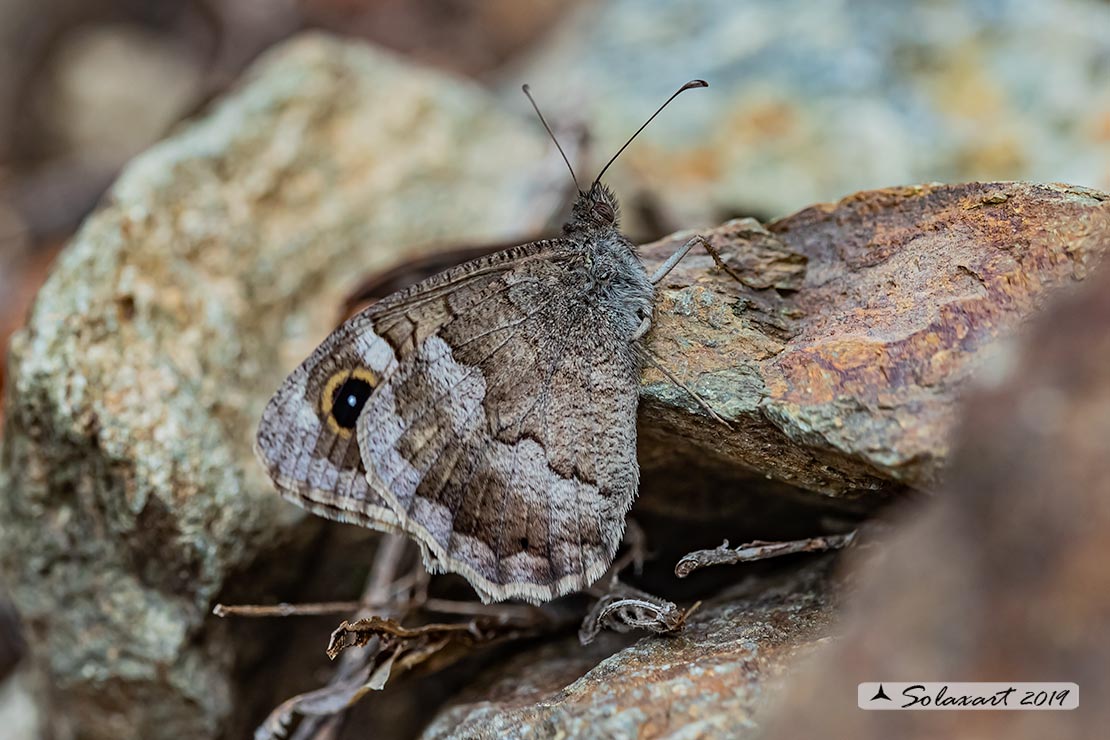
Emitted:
<point x="499" y="429"/>
<point x="313" y="462"/>
<point x="505" y="439"/>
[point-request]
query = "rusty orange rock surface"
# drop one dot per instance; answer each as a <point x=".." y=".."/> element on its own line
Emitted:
<point x="845" y="377"/>
<point x="1002" y="576"/>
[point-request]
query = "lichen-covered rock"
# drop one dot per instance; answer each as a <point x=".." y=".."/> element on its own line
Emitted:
<point x="19" y="715"/>
<point x="848" y="382"/>
<point x="810" y="101"/>
<point x="710" y="681"/>
<point x="130" y="495"/>
<point x="1003" y="577"/>
<point x="129" y="499"/>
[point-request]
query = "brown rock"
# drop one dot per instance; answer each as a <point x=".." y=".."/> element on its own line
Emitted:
<point x="130" y="499"/>
<point x="848" y="381"/>
<point x="810" y="101"/>
<point x="710" y="680"/>
<point x="1004" y="577"/>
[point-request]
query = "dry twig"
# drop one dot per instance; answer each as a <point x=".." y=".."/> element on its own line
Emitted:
<point x="387" y="646"/>
<point x="322" y="709"/>
<point x="759" y="550"/>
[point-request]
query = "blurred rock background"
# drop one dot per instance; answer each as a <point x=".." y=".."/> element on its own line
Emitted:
<point x="810" y="101"/>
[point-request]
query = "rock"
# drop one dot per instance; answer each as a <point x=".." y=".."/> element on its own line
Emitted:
<point x="110" y="90"/>
<point x="131" y="499"/>
<point x="809" y="101"/>
<point x="710" y="680"/>
<point x="13" y="648"/>
<point x="19" y="716"/>
<point x="1003" y="576"/>
<point x="850" y="384"/>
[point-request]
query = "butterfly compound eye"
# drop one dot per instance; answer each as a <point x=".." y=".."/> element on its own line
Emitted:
<point x="344" y="397"/>
<point x="604" y="210"/>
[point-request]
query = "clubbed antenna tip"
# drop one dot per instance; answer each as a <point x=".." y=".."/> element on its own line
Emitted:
<point x="688" y="86"/>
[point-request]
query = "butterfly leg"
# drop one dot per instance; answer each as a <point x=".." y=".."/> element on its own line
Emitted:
<point x="675" y="258"/>
<point x="654" y="362"/>
<point x="645" y="323"/>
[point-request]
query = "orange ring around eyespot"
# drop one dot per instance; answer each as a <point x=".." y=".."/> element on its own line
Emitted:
<point x="327" y="398"/>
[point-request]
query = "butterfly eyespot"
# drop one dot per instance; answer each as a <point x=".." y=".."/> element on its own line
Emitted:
<point x="344" y="397"/>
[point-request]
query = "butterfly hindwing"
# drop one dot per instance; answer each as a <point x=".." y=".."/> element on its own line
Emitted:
<point x="313" y="456"/>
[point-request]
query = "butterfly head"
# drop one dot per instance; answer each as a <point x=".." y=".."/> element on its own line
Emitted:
<point x="596" y="208"/>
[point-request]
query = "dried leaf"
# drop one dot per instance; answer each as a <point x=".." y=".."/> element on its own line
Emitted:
<point x="323" y="702"/>
<point x="444" y="643"/>
<point x="624" y="609"/>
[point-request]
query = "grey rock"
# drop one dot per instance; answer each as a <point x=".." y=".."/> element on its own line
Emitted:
<point x="809" y="101"/>
<point x="130" y="493"/>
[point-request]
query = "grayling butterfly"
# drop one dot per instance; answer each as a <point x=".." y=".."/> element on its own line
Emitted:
<point x="489" y="411"/>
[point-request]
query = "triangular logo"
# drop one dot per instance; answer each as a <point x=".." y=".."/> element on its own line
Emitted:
<point x="880" y="694"/>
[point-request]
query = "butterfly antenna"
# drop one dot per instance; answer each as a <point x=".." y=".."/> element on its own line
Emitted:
<point x="528" y="94"/>
<point x="688" y="86"/>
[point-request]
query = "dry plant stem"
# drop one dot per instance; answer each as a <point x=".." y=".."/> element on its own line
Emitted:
<point x="635" y="555"/>
<point x="382" y="575"/>
<point x="415" y="582"/>
<point x="286" y="610"/>
<point x="521" y="612"/>
<point x="636" y="539"/>
<point x="353" y="662"/>
<point x="760" y="550"/>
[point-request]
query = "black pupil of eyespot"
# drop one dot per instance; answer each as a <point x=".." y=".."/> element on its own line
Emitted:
<point x="348" y="401"/>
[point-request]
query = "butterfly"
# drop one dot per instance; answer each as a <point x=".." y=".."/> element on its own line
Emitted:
<point x="489" y="411"/>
